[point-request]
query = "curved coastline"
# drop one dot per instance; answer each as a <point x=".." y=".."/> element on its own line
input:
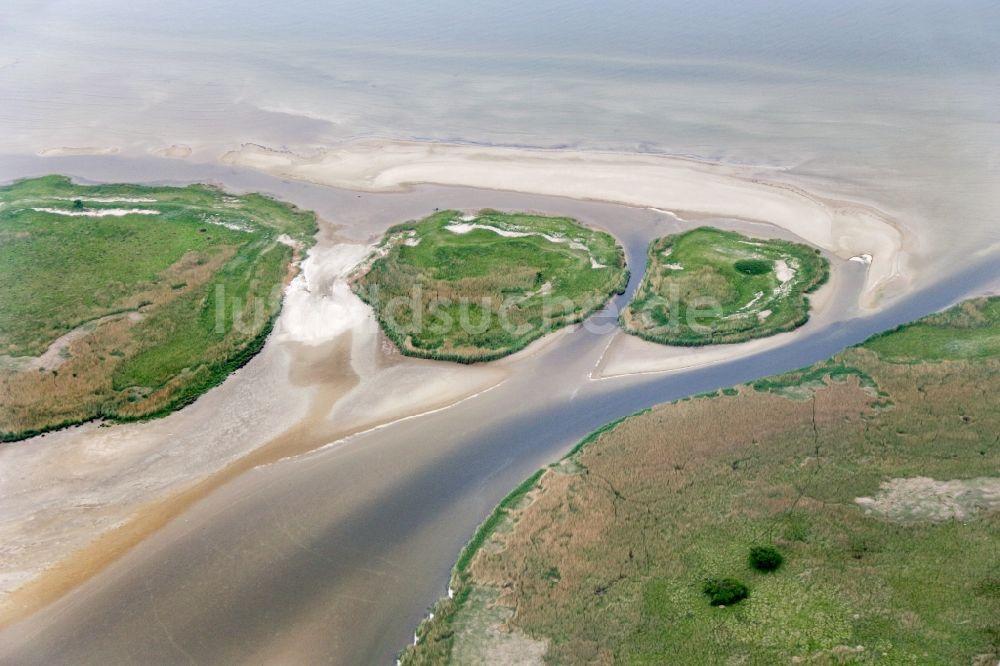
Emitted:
<point x="679" y="185"/>
<point x="319" y="307"/>
<point x="367" y="338"/>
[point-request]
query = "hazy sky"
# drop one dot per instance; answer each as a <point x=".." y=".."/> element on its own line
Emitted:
<point x="898" y="34"/>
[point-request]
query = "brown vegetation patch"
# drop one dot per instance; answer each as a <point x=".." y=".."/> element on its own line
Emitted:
<point x="604" y="559"/>
<point x="79" y="383"/>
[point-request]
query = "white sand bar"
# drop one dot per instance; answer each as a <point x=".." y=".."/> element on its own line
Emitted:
<point x="98" y="212"/>
<point x="846" y="229"/>
<point x="109" y="199"/>
<point x="466" y="227"/>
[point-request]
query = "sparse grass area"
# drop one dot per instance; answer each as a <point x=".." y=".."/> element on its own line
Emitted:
<point x="641" y="516"/>
<point x="125" y="301"/>
<point x="481" y="288"/>
<point x="759" y="288"/>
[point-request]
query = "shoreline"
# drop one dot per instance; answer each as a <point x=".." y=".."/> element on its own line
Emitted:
<point x="316" y="431"/>
<point x="314" y="292"/>
<point x="318" y="308"/>
<point x="86" y="514"/>
<point x="679" y="186"/>
<point x="322" y="468"/>
<point x="628" y="355"/>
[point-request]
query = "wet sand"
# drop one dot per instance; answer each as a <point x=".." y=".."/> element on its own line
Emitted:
<point x="331" y="555"/>
<point x="628" y="354"/>
<point x="680" y="185"/>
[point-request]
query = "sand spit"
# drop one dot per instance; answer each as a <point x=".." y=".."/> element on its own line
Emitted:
<point x="658" y="182"/>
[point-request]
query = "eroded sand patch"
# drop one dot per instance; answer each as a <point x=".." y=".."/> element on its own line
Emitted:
<point x="924" y="499"/>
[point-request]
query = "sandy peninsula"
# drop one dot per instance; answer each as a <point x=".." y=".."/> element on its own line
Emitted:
<point x="680" y="185"/>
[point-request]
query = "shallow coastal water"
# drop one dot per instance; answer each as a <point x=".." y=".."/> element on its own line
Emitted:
<point x="890" y="102"/>
<point x="334" y="556"/>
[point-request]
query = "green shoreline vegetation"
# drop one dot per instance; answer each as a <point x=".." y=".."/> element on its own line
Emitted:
<point x="477" y="288"/>
<point x="859" y="487"/>
<point x="709" y="286"/>
<point x="155" y="295"/>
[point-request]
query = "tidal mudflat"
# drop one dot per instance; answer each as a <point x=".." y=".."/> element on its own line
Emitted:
<point x="323" y="382"/>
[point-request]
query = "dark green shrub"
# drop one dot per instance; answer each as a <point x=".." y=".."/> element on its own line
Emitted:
<point x="765" y="558"/>
<point x="753" y="266"/>
<point x="725" y="591"/>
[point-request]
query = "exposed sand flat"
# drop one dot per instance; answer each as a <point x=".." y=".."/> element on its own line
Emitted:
<point x="783" y="271"/>
<point x="63" y="151"/>
<point x="177" y="151"/>
<point x="74" y="500"/>
<point x="630" y="355"/>
<point x="110" y="199"/>
<point x="924" y="499"/>
<point x="59" y="491"/>
<point x="660" y="182"/>
<point x="320" y="306"/>
<point x="101" y="212"/>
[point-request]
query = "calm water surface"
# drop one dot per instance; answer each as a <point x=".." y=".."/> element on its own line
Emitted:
<point x="335" y="557"/>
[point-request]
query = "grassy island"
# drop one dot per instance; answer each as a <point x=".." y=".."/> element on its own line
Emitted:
<point x="869" y="482"/>
<point x="126" y="302"/>
<point x="478" y="287"/>
<point x="708" y="286"/>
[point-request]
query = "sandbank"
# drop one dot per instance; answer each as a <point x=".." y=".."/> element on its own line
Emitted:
<point x="685" y="186"/>
<point x="62" y="151"/>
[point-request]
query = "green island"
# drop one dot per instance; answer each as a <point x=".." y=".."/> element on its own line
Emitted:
<point x="125" y="302"/>
<point x="709" y="286"/>
<point x="844" y="513"/>
<point x="479" y="287"/>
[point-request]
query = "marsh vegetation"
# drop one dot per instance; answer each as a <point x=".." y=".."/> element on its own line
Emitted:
<point x="852" y="469"/>
<point x="479" y="287"/>
<point x="125" y="301"/>
<point x="709" y="286"/>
